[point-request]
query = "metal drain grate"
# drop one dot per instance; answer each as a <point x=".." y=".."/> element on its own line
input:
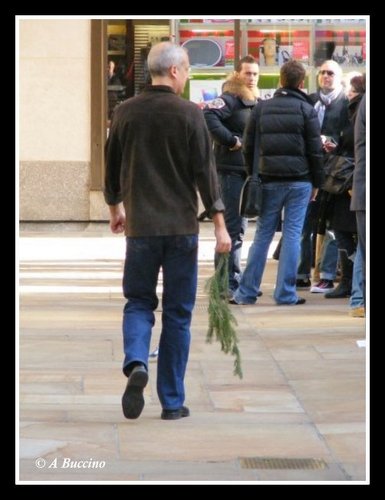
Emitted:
<point x="282" y="463"/>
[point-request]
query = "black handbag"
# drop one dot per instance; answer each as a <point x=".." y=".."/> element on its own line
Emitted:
<point x="338" y="174"/>
<point x="251" y="197"/>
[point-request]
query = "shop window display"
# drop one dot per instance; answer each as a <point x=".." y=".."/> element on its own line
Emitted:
<point x="272" y="42"/>
<point x="208" y="48"/>
<point x="346" y="47"/>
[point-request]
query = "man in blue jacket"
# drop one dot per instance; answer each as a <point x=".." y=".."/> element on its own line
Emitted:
<point x="226" y="119"/>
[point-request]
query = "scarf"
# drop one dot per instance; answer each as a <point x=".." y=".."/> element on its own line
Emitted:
<point x="324" y="101"/>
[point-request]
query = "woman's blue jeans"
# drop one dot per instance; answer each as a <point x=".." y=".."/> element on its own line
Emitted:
<point x="178" y="258"/>
<point x="293" y="198"/>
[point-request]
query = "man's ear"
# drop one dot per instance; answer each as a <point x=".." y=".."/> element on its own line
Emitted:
<point x="173" y="71"/>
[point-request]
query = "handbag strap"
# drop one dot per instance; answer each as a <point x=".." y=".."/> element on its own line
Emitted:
<point x="255" y="171"/>
<point x="250" y="130"/>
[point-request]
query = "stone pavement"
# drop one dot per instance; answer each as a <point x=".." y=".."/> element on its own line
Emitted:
<point x="298" y="415"/>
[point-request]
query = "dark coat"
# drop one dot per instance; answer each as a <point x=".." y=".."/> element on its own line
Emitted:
<point x="359" y="176"/>
<point x="341" y="217"/>
<point x="336" y="115"/>
<point x="226" y="118"/>
<point x="157" y="154"/>
<point x="336" y="118"/>
<point x="282" y="139"/>
<point x="346" y="142"/>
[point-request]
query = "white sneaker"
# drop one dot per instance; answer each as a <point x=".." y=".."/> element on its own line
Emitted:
<point x="322" y="286"/>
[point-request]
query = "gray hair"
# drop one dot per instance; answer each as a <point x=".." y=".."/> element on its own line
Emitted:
<point x="164" y="55"/>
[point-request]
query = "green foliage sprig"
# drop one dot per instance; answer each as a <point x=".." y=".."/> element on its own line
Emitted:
<point x="221" y="319"/>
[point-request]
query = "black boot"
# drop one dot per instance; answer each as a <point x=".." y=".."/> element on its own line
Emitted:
<point x="344" y="288"/>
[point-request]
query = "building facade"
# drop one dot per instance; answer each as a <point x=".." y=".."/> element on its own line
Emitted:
<point x="66" y="96"/>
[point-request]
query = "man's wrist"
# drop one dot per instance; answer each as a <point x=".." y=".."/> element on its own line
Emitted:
<point x="115" y="209"/>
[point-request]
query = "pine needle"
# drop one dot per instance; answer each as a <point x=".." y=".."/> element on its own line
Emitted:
<point x="221" y="319"/>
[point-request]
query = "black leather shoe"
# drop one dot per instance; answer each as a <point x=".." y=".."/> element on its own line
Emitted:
<point x="132" y="399"/>
<point x="300" y="301"/>
<point x="175" y="414"/>
<point x="260" y="293"/>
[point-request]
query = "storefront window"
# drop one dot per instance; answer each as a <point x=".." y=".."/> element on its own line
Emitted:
<point x="341" y="41"/>
<point x="128" y="44"/>
<point x="214" y="46"/>
<point x="211" y="47"/>
<point x="272" y="42"/>
<point x="117" y="71"/>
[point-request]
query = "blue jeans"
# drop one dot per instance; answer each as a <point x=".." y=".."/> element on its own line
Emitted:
<point x="293" y="197"/>
<point x="178" y="258"/>
<point x="357" y="297"/>
<point x="231" y="186"/>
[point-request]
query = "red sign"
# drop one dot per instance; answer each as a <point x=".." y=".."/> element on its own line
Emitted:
<point x="300" y="50"/>
<point x="229" y="50"/>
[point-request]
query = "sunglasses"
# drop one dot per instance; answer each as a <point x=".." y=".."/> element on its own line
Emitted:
<point x="326" y="72"/>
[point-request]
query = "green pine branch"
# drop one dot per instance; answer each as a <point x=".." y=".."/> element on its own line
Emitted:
<point x="221" y="319"/>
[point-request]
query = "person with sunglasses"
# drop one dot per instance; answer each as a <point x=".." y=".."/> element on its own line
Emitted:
<point x="331" y="105"/>
<point x="341" y="220"/>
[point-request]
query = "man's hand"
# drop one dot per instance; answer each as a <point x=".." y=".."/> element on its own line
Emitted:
<point x="223" y="241"/>
<point x="329" y="146"/>
<point x="222" y="236"/>
<point x="117" y="218"/>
